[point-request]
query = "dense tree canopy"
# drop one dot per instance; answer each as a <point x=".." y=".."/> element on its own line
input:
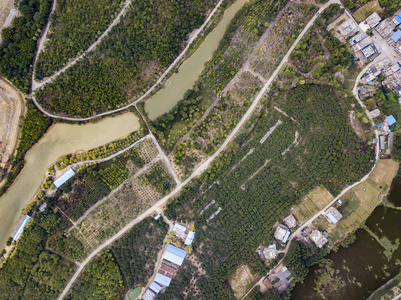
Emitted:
<point x="18" y="48"/>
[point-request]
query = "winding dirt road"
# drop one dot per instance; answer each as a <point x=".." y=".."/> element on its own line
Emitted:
<point x="204" y="166"/>
<point x="36" y="85"/>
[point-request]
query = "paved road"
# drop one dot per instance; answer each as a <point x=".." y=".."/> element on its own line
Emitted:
<point x="205" y="165"/>
<point x="36" y="85"/>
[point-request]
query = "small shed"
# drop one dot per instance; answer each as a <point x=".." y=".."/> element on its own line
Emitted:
<point x="190" y="238"/>
<point x="390" y="140"/>
<point x="64" y="178"/>
<point x="382" y="142"/>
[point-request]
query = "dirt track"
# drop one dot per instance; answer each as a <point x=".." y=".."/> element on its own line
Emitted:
<point x="5" y="7"/>
<point x="11" y="109"/>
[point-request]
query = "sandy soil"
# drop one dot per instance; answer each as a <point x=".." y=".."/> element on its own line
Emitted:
<point x="5" y="10"/>
<point x="11" y="109"/>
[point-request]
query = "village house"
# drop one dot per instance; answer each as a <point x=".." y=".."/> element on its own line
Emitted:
<point x="333" y="215"/>
<point x="371" y="22"/>
<point x="282" y="233"/>
<point x="290" y="221"/>
<point x="318" y="238"/>
<point x="385" y="28"/>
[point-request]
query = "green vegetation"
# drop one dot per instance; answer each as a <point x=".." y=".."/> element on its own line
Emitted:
<point x="75" y="25"/>
<point x="129" y="61"/>
<point x="34" y="125"/>
<point x="17" y="50"/>
<point x="136" y="252"/>
<point x="328" y="154"/>
<point x="299" y="258"/>
<point x="234" y="50"/>
<point x="99" y="280"/>
<point x="390" y="7"/>
<point x="31" y="272"/>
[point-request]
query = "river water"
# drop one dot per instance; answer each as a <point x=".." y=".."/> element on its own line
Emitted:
<point x="180" y="82"/>
<point x="61" y="139"/>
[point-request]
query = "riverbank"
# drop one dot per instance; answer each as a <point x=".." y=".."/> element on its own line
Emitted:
<point x="60" y="139"/>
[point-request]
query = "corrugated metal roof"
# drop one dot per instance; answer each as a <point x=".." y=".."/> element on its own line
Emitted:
<point x="64" y="178"/>
<point x="19" y="229"/>
<point x="190" y="238"/>
<point x="398" y="18"/>
<point x="155" y="287"/>
<point x="396" y="36"/>
<point x="332" y="218"/>
<point x="163" y="280"/>
<point x="287" y="235"/>
<point x="175" y="255"/>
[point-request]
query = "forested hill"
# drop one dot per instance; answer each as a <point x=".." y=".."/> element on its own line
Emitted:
<point x="17" y="50"/>
<point x="128" y="62"/>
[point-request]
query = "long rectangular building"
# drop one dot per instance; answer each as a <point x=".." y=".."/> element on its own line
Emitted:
<point x="64" y="178"/>
<point x="174" y="255"/>
<point x="19" y="229"/>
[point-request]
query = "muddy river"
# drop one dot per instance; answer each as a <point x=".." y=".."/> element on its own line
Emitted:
<point x="179" y="83"/>
<point x="61" y="139"/>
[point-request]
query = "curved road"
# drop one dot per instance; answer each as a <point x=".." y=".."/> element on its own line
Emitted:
<point x="36" y="85"/>
<point x="200" y="170"/>
<point x="343" y="192"/>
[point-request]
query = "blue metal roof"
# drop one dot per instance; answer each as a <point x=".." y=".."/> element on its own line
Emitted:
<point x="19" y="229"/>
<point x="64" y="178"/>
<point x="379" y="125"/>
<point x="370" y="82"/>
<point x="398" y="18"/>
<point x="391" y="120"/>
<point x="155" y="287"/>
<point x="396" y="36"/>
<point x="176" y="251"/>
<point x="332" y="218"/>
<point x="163" y="280"/>
<point x="287" y="235"/>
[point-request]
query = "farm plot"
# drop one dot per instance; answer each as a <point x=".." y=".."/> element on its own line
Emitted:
<point x="136" y="195"/>
<point x="280" y="36"/>
<point x="366" y="10"/>
<point x="93" y="183"/>
<point x="360" y="201"/>
<point x="312" y="203"/>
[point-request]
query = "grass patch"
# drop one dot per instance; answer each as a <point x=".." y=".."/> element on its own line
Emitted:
<point x="366" y="10"/>
<point x="312" y="203"/>
<point x="361" y="200"/>
<point x="135" y="293"/>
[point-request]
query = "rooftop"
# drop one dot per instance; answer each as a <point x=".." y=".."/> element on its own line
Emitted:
<point x="290" y="221"/>
<point x="318" y="238"/>
<point x="281" y="233"/>
<point x="391" y="120"/>
<point x="64" y="178"/>
<point x="396" y="36"/>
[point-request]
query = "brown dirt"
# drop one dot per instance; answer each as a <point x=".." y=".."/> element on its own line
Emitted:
<point x="11" y="109"/>
<point x="5" y="7"/>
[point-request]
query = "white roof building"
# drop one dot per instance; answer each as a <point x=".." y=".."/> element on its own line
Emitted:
<point x="64" y="178"/>
<point x="174" y="255"/>
<point x="179" y="230"/>
<point x="190" y="238"/>
<point x="334" y="215"/>
<point x="318" y="238"/>
<point x="19" y="229"/>
<point x="282" y="233"/>
<point x="163" y="280"/>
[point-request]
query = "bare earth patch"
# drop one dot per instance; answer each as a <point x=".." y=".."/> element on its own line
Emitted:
<point x="11" y="109"/>
<point x="240" y="280"/>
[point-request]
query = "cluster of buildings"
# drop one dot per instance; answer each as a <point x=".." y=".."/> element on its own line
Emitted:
<point x="173" y="258"/>
<point x="280" y="279"/>
<point x="361" y="44"/>
<point x="390" y="71"/>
